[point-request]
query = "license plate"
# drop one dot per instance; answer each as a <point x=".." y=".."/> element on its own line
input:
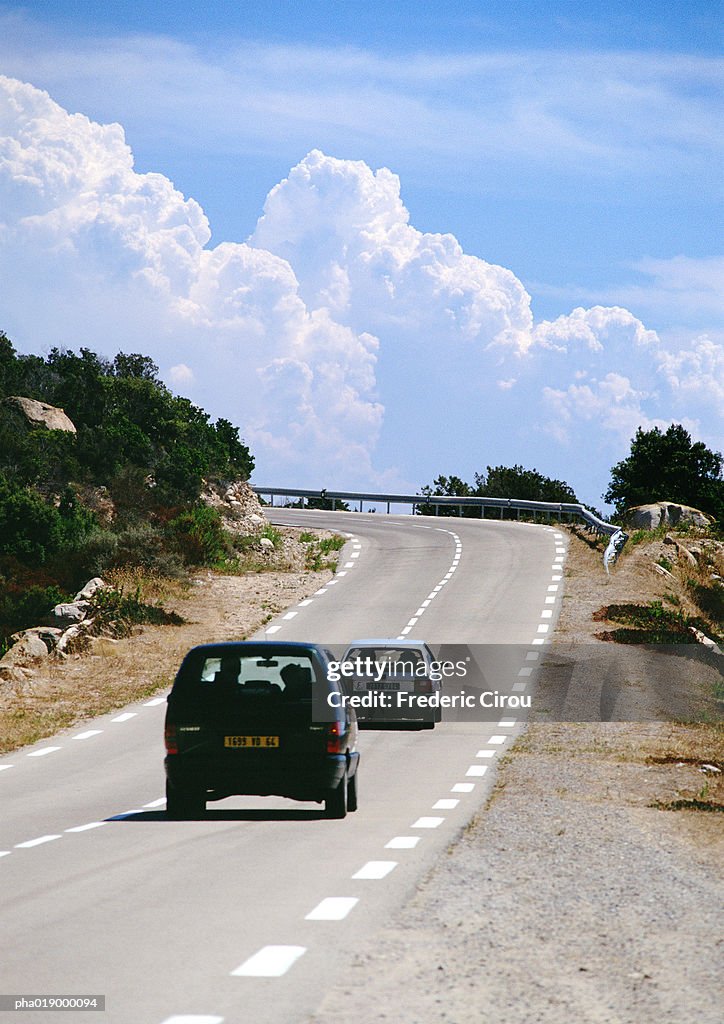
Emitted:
<point x="251" y="741"/>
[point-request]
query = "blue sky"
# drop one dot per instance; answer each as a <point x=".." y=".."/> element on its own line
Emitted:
<point x="575" y="145"/>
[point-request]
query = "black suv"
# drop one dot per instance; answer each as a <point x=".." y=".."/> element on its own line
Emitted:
<point x="259" y="718"/>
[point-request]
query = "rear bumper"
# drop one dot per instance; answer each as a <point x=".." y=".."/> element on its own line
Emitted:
<point x="221" y="778"/>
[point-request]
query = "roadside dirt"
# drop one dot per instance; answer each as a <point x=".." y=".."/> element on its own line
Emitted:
<point x="214" y="607"/>
<point x="572" y="897"/>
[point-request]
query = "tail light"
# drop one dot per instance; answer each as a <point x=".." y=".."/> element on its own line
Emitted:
<point x="171" y="738"/>
<point x="425" y="686"/>
<point x="334" y="738"/>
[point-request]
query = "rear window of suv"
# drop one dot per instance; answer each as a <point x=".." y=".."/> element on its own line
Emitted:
<point x="236" y="672"/>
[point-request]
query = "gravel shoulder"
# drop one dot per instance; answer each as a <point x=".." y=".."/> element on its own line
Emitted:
<point x="573" y="896"/>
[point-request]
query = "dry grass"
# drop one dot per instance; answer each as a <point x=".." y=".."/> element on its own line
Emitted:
<point x="214" y="606"/>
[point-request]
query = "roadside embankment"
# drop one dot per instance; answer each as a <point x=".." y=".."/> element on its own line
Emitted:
<point x="578" y="893"/>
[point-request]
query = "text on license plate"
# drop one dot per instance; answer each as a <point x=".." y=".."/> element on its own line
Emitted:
<point x="251" y="741"/>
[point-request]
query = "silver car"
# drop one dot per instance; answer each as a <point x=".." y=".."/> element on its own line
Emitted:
<point x="393" y="682"/>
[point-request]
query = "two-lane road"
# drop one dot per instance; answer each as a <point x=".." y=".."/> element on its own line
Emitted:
<point x="250" y="913"/>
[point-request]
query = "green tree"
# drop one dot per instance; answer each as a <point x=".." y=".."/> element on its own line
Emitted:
<point x="447" y="486"/>
<point x="668" y="466"/>
<point x="524" y="484"/>
<point x="496" y="482"/>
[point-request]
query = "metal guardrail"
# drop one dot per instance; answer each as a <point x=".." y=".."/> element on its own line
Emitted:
<point x="572" y="510"/>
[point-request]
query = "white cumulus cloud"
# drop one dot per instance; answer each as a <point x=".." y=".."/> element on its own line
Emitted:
<point x="350" y="347"/>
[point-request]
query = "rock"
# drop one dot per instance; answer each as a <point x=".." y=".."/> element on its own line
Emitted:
<point x="40" y="414"/>
<point x="72" y="634"/>
<point x="67" y="614"/>
<point x="13" y="673"/>
<point x="685" y="555"/>
<point x="265" y="544"/>
<point x="90" y="588"/>
<point x="702" y="638"/>
<point x="663" y="513"/>
<point x="49" y="635"/>
<point x="29" y="650"/>
<point x="662" y="572"/>
<point x="237" y="504"/>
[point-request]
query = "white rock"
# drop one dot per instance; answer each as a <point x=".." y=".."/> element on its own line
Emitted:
<point x="649" y="517"/>
<point x="90" y="589"/>
<point x="67" y="614"/>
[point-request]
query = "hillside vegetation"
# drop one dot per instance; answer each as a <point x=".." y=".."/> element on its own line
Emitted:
<point x="123" y="489"/>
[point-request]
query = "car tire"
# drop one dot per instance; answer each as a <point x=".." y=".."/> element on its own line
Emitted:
<point x="352" y="791"/>
<point x="335" y="803"/>
<point x="182" y="804"/>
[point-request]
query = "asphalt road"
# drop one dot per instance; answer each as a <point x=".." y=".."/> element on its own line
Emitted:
<point x="251" y="913"/>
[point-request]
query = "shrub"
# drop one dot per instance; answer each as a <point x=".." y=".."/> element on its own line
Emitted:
<point x="200" y="537"/>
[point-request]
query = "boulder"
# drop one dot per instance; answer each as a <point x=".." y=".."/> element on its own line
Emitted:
<point x="29" y="650"/>
<point x="40" y="414"/>
<point x="266" y="545"/>
<point x="72" y="636"/>
<point x="64" y="615"/>
<point x="90" y="588"/>
<point x="665" y="513"/>
<point x="49" y="635"/>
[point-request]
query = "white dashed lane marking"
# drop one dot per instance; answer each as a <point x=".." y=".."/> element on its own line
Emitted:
<point x="402" y="843"/>
<point x="445" y="805"/>
<point x="273" y="629"/>
<point x="333" y="908"/>
<point x="36" y="842"/>
<point x="154" y="702"/>
<point x="427" y="823"/>
<point x="486" y="753"/>
<point x="43" y="751"/>
<point x="463" y="787"/>
<point x="269" y="962"/>
<point x="86" y="828"/>
<point x="497" y="740"/>
<point x="376" y="869"/>
<point x="125" y="716"/>
<point x="89" y="732"/>
<point x="193" y="1018"/>
<point x="4" y="767"/>
<point x="476" y="769"/>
